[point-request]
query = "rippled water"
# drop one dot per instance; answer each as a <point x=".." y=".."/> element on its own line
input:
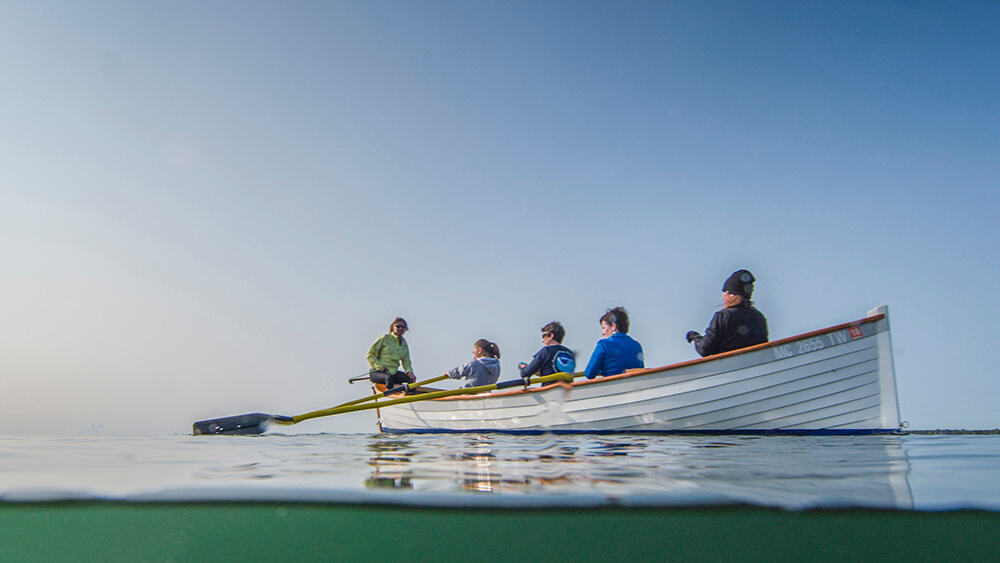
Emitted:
<point x="905" y="472"/>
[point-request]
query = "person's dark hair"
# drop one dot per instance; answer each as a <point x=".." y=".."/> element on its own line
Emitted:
<point x="617" y="316"/>
<point x="398" y="320"/>
<point x="489" y="348"/>
<point x="555" y="328"/>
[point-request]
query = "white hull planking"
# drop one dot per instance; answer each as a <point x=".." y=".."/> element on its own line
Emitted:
<point x="838" y="379"/>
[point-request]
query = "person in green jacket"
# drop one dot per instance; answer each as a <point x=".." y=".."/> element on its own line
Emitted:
<point x="386" y="355"/>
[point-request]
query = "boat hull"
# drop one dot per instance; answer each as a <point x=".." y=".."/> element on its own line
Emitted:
<point x="836" y="380"/>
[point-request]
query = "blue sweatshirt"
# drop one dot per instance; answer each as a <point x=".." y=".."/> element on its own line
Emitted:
<point x="614" y="355"/>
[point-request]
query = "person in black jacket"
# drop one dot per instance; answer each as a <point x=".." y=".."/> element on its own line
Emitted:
<point x="553" y="357"/>
<point x="738" y="324"/>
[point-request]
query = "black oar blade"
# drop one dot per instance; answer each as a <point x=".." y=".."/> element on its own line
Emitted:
<point x="254" y="423"/>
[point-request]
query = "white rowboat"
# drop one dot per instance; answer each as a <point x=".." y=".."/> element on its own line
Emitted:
<point x="831" y="381"/>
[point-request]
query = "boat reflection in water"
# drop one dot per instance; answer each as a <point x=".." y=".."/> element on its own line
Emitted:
<point x="392" y="463"/>
<point x="793" y="472"/>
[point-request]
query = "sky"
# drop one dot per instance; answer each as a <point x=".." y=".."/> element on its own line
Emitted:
<point x="208" y="209"/>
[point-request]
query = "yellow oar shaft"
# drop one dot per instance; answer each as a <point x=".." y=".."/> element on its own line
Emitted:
<point x="422" y="397"/>
<point x="380" y="395"/>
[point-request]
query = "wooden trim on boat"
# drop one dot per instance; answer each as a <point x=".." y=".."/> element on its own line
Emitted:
<point x="771" y="344"/>
<point x="647" y="371"/>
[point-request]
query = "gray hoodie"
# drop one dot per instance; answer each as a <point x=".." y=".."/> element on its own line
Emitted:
<point x="479" y="371"/>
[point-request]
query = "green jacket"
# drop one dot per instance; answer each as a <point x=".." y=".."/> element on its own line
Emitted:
<point x="388" y="352"/>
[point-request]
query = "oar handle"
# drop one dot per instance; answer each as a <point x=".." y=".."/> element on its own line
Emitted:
<point x="512" y="383"/>
<point x="407" y="387"/>
<point x="392" y="391"/>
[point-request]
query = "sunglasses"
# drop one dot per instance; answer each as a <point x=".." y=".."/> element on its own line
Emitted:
<point x="546" y="334"/>
<point x="401" y="327"/>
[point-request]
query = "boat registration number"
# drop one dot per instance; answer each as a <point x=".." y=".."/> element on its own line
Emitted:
<point x="817" y="343"/>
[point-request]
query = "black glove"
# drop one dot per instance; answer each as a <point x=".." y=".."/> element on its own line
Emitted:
<point x="527" y="381"/>
<point x="693" y="336"/>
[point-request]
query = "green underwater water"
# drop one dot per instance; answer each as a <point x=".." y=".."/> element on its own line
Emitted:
<point x="116" y="531"/>
<point x="500" y="498"/>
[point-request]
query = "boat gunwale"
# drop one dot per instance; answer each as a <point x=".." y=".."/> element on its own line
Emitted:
<point x="648" y="371"/>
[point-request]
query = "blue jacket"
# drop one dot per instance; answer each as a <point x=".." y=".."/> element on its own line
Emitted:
<point x="614" y="355"/>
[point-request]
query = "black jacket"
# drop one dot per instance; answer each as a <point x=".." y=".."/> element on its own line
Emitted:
<point x="543" y="363"/>
<point x="733" y="328"/>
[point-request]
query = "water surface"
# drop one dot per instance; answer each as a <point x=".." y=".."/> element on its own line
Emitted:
<point x="495" y="470"/>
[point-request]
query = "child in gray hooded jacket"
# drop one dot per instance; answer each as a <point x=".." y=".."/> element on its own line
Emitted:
<point x="483" y="369"/>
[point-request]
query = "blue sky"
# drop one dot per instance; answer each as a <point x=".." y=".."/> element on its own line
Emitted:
<point x="209" y="209"/>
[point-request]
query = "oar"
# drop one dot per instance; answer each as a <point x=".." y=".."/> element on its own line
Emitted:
<point x="256" y="423"/>
<point x="426" y="397"/>
<point x="393" y="391"/>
